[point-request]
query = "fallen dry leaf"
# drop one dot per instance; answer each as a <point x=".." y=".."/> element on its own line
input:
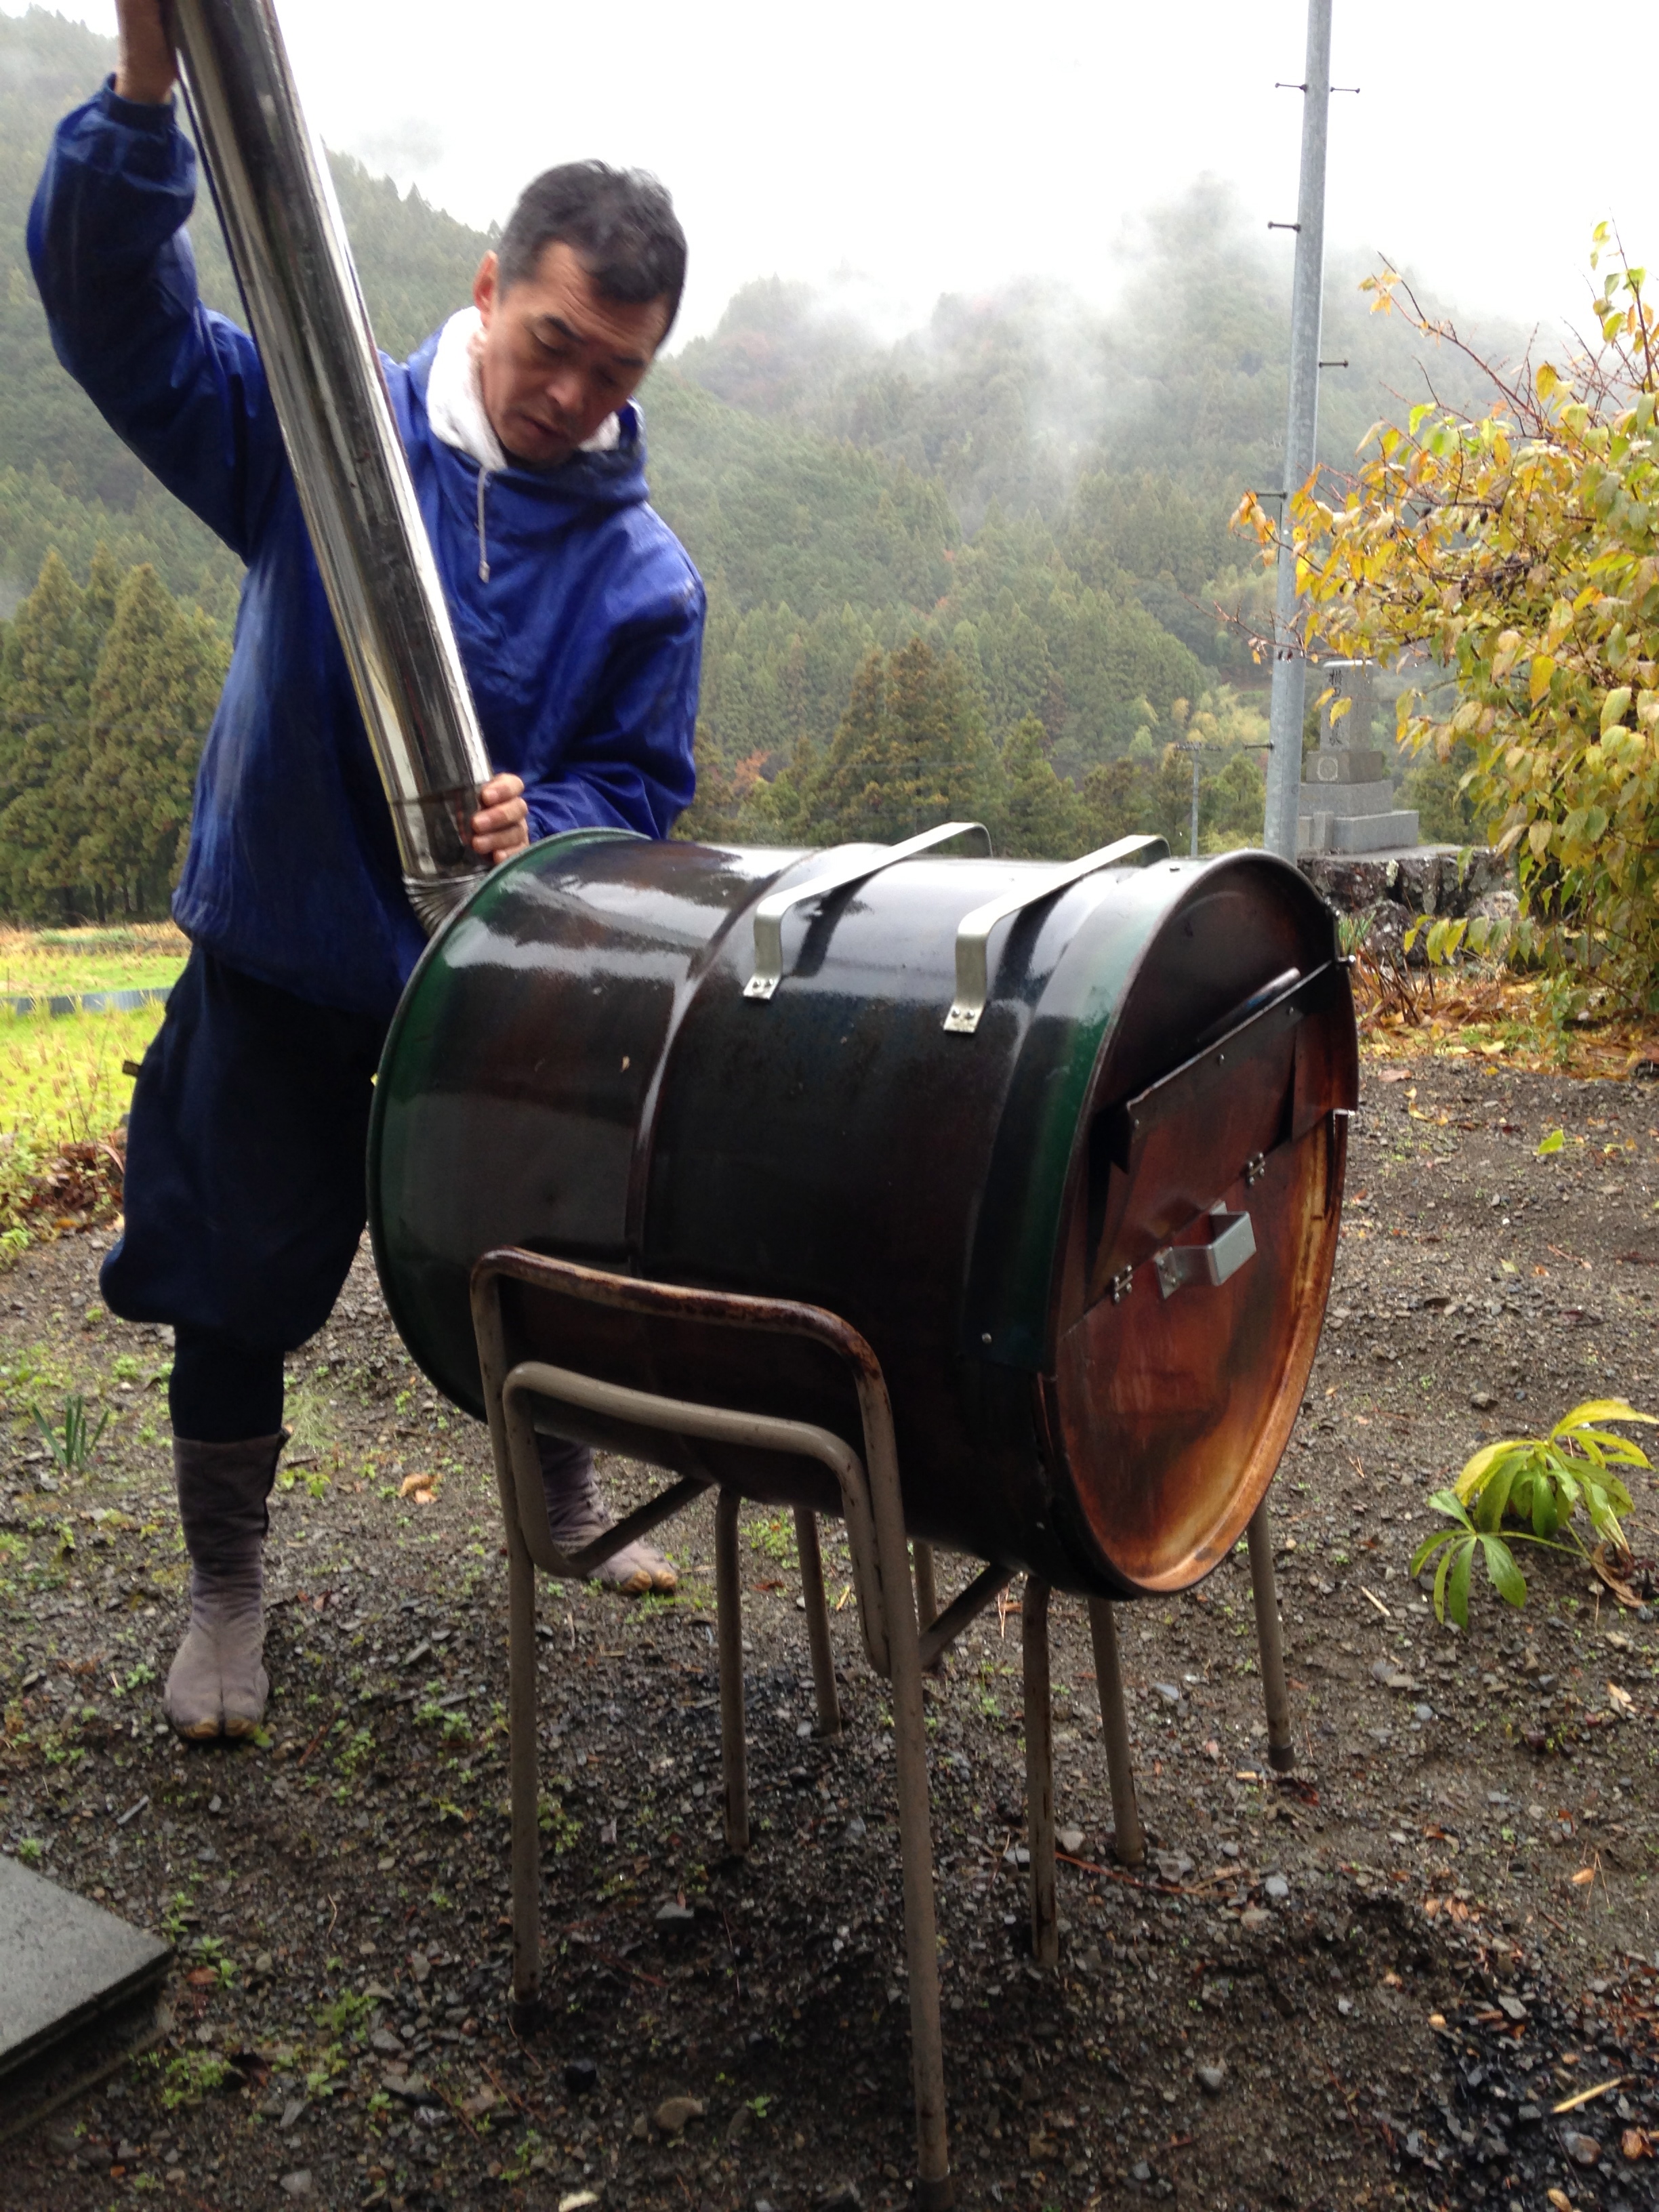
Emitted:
<point x="1614" y="1581"/>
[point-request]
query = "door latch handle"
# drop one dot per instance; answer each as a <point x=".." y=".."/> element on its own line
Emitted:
<point x="1232" y="1242"/>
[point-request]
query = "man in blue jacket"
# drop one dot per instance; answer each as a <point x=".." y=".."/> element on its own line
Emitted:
<point x="579" y="620"/>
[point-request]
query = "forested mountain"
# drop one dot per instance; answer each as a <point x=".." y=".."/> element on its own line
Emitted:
<point x="1010" y="527"/>
<point x="64" y="478"/>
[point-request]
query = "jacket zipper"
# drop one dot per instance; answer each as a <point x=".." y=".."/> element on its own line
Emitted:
<point x="484" y="550"/>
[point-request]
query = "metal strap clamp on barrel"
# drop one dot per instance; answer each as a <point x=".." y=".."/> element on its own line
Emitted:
<point x="840" y="875"/>
<point x="973" y="934"/>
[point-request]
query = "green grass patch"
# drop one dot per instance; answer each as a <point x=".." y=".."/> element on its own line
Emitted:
<point x="48" y="962"/>
<point x="62" y="1081"/>
<point x="312" y="1437"/>
<point x="29" y="1371"/>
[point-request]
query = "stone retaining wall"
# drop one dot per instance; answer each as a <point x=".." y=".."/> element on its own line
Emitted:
<point x="1426" y="881"/>
<point x="1396" y="888"/>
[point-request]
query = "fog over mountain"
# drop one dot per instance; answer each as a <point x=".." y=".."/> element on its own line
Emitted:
<point x="925" y="149"/>
<point x="1006" y="438"/>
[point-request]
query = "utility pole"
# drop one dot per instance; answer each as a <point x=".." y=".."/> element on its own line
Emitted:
<point x="1300" y="429"/>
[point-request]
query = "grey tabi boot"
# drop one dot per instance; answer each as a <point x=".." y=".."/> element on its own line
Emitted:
<point x="576" y="1514"/>
<point x="218" y="1685"/>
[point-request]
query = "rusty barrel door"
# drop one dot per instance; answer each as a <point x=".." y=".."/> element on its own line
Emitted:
<point x="1067" y="1148"/>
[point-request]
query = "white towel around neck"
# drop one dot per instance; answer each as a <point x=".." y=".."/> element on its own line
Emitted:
<point x="454" y="397"/>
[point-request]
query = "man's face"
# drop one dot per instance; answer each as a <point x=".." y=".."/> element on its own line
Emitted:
<point x="557" y="356"/>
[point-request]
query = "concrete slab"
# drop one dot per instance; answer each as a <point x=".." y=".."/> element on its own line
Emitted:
<point x="1328" y="833"/>
<point x="1345" y="800"/>
<point x="65" y="1965"/>
<point x="1374" y="832"/>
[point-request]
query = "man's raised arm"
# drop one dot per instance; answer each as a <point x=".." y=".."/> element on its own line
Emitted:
<point x="182" y="386"/>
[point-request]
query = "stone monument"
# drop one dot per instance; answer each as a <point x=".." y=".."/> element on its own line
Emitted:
<point x="1348" y="799"/>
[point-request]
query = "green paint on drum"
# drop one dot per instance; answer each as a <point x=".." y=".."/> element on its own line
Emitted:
<point x="575" y="1068"/>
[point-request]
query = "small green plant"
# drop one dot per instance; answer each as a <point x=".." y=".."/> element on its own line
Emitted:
<point x="515" y="2167"/>
<point x="190" y="2076"/>
<point x="357" y="1753"/>
<point x="31" y="1851"/>
<point x="210" y="1950"/>
<point x="1540" y="1480"/>
<point x="345" y="2015"/>
<point x="180" y="1910"/>
<point x="73" y="1444"/>
<point x="561" y="1827"/>
<point x="775" y="1540"/>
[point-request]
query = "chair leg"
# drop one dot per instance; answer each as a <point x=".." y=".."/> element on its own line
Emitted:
<point x="1039" y="1772"/>
<point x="521" y="1755"/>
<point x="817" y="1621"/>
<point x="1131" y="1842"/>
<point x="1270" y="1642"/>
<point x="926" y="1587"/>
<point x="935" y="2190"/>
<point x="728" y="1591"/>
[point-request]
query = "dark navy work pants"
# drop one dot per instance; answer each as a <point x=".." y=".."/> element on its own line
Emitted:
<point x="245" y="1192"/>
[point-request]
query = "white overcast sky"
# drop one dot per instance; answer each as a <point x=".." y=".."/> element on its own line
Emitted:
<point x="920" y="147"/>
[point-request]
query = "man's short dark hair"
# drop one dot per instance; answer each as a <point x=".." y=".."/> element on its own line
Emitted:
<point x="620" y="224"/>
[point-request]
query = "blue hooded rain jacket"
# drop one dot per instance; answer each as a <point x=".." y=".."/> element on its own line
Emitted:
<point x="582" y="645"/>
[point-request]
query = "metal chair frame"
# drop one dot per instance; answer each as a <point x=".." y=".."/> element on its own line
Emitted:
<point x="905" y="1633"/>
<point x="873" y="1509"/>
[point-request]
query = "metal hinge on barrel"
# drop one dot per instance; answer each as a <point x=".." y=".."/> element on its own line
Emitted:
<point x="1232" y="1242"/>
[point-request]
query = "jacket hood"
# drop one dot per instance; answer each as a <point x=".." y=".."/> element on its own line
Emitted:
<point x="588" y="479"/>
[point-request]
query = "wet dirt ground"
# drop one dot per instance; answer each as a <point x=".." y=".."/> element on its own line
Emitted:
<point x="1373" y="1984"/>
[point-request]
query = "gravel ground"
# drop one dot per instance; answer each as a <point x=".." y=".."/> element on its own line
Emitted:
<point x="1370" y="1984"/>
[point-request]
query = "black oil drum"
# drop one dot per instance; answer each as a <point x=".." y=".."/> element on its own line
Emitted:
<point x="1064" y="1144"/>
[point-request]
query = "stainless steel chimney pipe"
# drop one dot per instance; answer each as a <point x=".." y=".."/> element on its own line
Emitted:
<point x="283" y="226"/>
